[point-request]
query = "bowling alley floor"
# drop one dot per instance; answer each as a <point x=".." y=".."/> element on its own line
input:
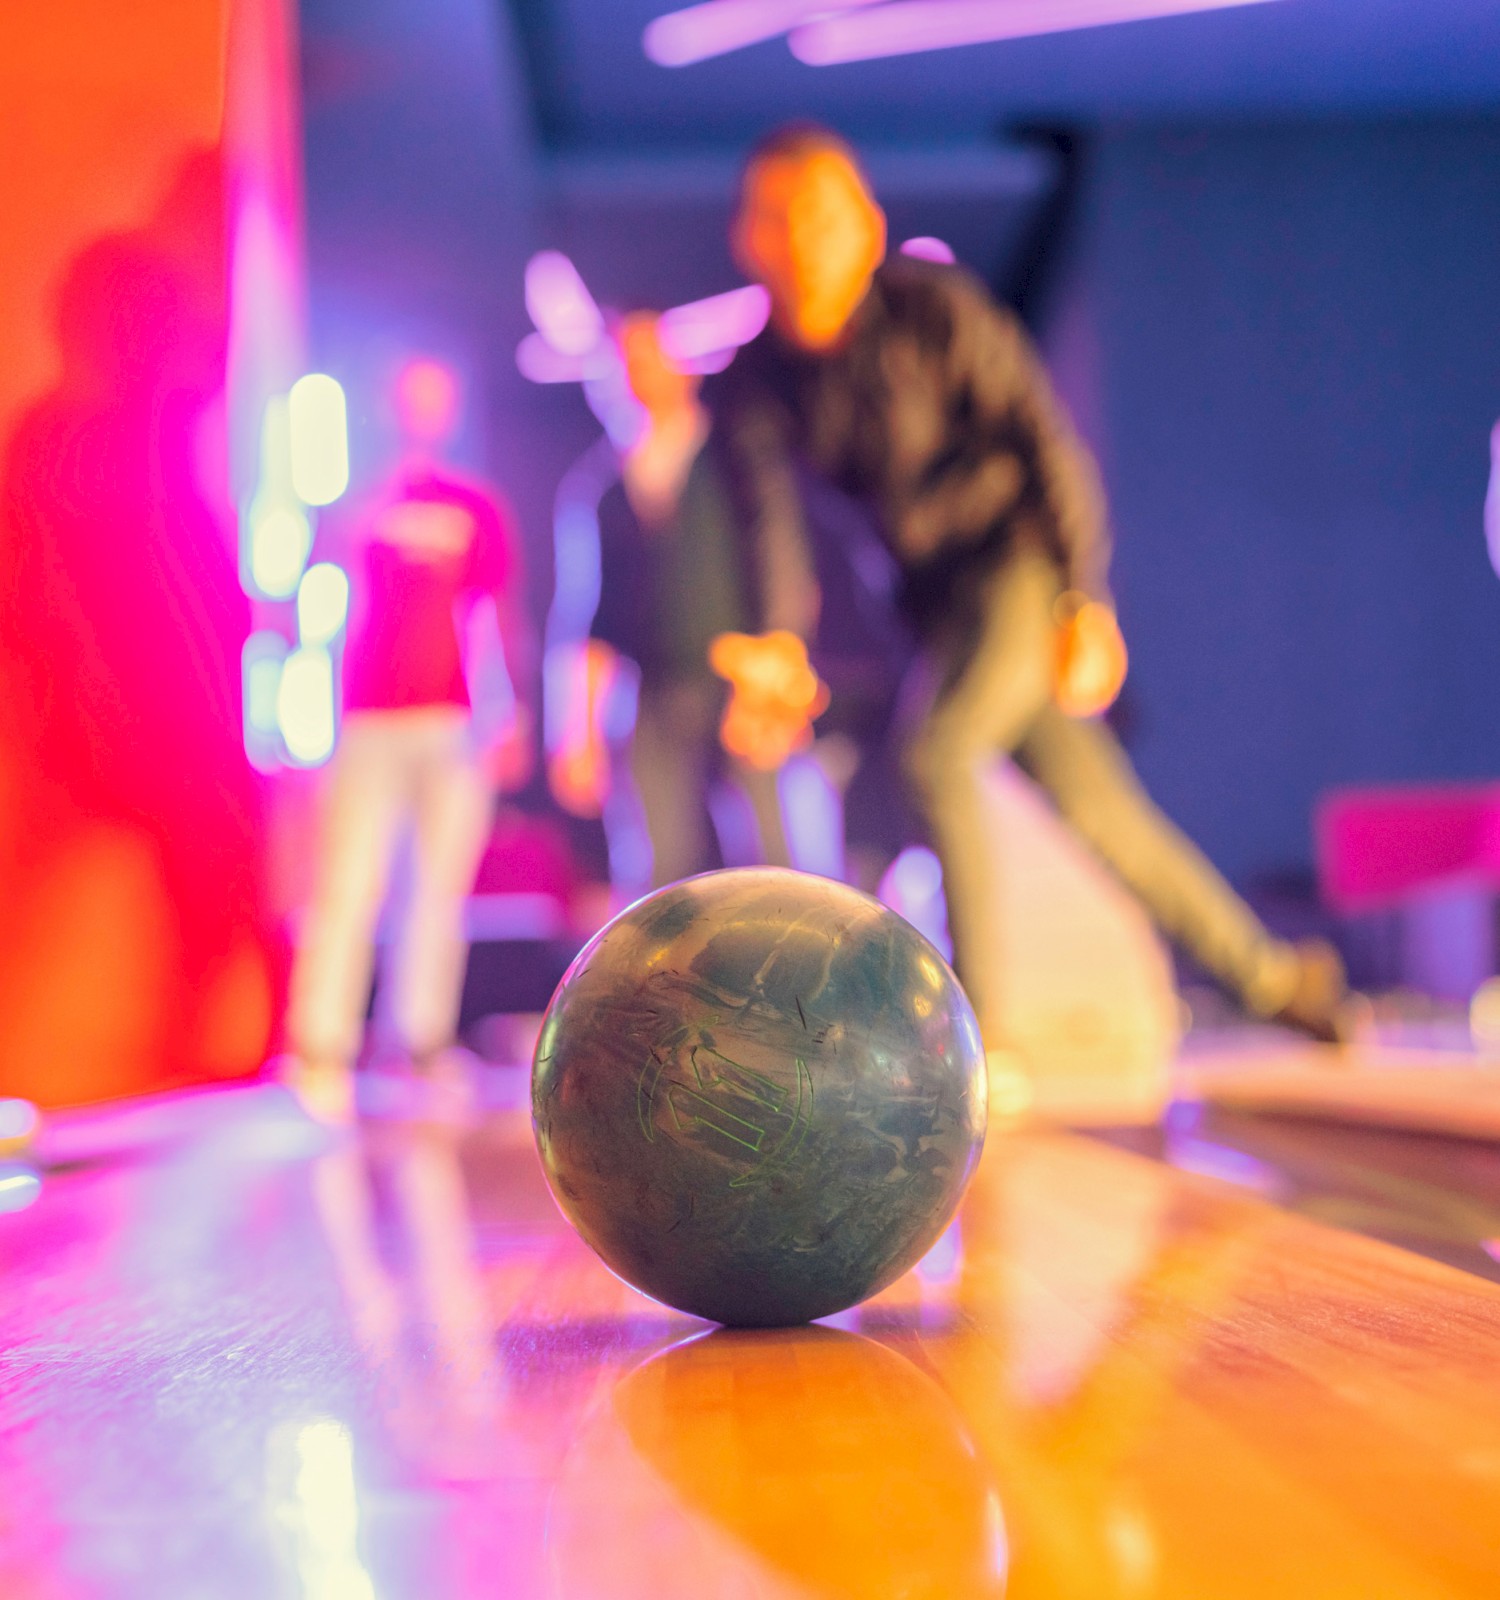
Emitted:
<point x="239" y="1358"/>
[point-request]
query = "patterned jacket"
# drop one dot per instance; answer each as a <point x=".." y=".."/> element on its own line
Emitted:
<point x="935" y="412"/>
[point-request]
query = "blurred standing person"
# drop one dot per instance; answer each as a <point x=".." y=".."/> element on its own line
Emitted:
<point x="910" y="389"/>
<point x="672" y="588"/>
<point x="432" y="729"/>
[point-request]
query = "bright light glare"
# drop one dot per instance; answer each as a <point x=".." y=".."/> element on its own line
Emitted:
<point x="263" y="657"/>
<point x="319" y="439"/>
<point x="944" y="1261"/>
<point x="325" y="1482"/>
<point x="324" y="1514"/>
<point x="260" y="669"/>
<point x="721" y="322"/>
<point x="927" y="248"/>
<point x="907" y="26"/>
<point x="541" y="361"/>
<point x="19" y="1187"/>
<point x="718" y="26"/>
<point x="280" y="537"/>
<point x="18" y="1120"/>
<point x="913" y="888"/>
<point x="813" y="812"/>
<point x="322" y="603"/>
<point x="560" y="304"/>
<point x="304" y="705"/>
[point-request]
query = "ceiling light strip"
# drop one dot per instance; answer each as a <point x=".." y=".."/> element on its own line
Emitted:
<point x="718" y="26"/>
<point x="906" y="27"/>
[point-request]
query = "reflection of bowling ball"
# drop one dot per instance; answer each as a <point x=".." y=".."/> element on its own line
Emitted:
<point x="805" y="1463"/>
<point x="758" y="1095"/>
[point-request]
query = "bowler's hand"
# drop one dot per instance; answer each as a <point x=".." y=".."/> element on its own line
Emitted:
<point x="775" y="696"/>
<point x="1091" y="656"/>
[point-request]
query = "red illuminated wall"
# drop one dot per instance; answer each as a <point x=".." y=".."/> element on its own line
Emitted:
<point x="133" y="952"/>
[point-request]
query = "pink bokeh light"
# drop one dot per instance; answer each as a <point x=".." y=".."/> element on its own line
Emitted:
<point x="925" y="247"/>
<point x="721" y="322"/>
<point x="560" y="304"/>
<point x="427" y="399"/>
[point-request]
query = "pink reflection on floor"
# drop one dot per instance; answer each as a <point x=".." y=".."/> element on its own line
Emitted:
<point x="239" y="1357"/>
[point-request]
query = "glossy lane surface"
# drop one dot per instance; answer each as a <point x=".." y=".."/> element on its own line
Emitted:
<point x="236" y="1361"/>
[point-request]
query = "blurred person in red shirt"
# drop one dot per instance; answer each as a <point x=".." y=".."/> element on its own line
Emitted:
<point x="432" y="731"/>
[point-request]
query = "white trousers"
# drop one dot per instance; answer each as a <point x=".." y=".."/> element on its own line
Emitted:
<point x="413" y="769"/>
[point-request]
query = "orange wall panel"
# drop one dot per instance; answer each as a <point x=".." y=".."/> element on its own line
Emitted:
<point x="134" y="953"/>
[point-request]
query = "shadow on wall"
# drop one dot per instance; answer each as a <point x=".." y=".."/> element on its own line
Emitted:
<point x="132" y="953"/>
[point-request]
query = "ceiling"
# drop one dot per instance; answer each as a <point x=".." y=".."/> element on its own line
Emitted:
<point x="592" y="86"/>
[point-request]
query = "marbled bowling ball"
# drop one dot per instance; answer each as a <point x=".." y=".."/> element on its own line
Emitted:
<point x="758" y="1095"/>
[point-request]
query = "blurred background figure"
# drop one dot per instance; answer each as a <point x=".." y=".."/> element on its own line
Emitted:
<point x="136" y="952"/>
<point x="911" y="389"/>
<point x="432" y="731"/>
<point x="673" y="601"/>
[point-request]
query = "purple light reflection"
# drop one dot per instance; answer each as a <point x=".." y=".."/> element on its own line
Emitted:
<point x="718" y="26"/>
<point x="925" y="247"/>
<point x="709" y="327"/>
<point x="541" y="361"/>
<point x="560" y="304"/>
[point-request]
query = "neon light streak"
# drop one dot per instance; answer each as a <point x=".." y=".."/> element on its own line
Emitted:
<point x="319" y="438"/>
<point x="260" y="679"/>
<point x="560" y="304"/>
<point x="719" y="26"/>
<point x="906" y="27"/>
<point x="541" y="361"/>
<point x="322" y="603"/>
<point x="304" y="705"/>
<point x="262" y="660"/>
<point x="280" y="538"/>
<point x="721" y="322"/>
<point x="19" y="1187"/>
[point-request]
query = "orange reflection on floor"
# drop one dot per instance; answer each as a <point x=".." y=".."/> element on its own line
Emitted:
<point x="392" y="1365"/>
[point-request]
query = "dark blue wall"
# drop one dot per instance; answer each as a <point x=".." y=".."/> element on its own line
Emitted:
<point x="1295" y="337"/>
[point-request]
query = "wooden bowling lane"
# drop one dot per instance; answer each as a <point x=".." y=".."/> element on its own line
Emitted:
<point x="237" y="1359"/>
<point x="1432" y="1193"/>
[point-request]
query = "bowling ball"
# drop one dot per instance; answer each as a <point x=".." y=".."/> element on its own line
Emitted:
<point x="758" y="1095"/>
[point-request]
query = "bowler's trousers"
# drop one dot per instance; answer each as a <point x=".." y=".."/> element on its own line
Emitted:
<point x="996" y="696"/>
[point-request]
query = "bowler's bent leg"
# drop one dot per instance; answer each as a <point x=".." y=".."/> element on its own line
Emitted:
<point x="993" y="694"/>
<point x="1090" y="779"/>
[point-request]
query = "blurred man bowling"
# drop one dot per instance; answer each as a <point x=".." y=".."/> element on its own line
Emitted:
<point x="908" y="387"/>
